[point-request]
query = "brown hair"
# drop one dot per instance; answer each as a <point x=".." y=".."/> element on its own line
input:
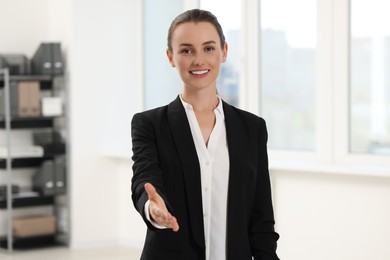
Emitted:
<point x="195" y="16"/>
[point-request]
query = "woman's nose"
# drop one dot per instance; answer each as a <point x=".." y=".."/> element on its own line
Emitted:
<point x="198" y="59"/>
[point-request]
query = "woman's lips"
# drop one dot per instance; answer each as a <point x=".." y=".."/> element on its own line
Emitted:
<point x="199" y="73"/>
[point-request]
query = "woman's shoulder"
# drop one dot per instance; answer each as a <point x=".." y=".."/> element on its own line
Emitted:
<point x="246" y="116"/>
<point x="152" y="111"/>
<point x="152" y="115"/>
<point x="158" y="111"/>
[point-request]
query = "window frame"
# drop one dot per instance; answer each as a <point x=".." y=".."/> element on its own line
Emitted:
<point x="331" y="154"/>
<point x="342" y="74"/>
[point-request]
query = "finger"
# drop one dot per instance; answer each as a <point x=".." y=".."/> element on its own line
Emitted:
<point x="174" y="224"/>
<point x="164" y="218"/>
<point x="150" y="190"/>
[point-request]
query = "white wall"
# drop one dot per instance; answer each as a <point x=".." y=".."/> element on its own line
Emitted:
<point x="24" y="24"/>
<point x="319" y="215"/>
<point x="332" y="216"/>
<point x="103" y="98"/>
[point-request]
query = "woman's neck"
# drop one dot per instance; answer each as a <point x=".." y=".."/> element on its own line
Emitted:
<point x="201" y="101"/>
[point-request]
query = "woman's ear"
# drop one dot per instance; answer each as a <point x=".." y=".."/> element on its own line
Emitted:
<point x="224" y="52"/>
<point x="170" y="57"/>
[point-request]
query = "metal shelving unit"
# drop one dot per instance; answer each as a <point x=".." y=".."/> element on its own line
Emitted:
<point x="9" y="123"/>
<point x="8" y="166"/>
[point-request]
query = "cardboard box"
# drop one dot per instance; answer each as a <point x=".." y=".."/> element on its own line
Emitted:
<point x="28" y="95"/>
<point x="34" y="226"/>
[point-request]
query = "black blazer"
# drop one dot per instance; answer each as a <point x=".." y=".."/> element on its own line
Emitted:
<point x="164" y="154"/>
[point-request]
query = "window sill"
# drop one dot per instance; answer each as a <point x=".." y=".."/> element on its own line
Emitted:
<point x="329" y="168"/>
<point x="307" y="166"/>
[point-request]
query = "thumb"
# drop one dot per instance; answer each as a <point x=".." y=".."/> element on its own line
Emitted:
<point x="151" y="191"/>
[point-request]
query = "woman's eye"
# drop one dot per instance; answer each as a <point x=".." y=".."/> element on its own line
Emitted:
<point x="209" y="49"/>
<point x="186" y="51"/>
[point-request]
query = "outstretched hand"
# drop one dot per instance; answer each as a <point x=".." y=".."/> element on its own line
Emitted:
<point x="158" y="211"/>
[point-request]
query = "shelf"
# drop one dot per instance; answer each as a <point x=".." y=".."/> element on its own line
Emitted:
<point x="28" y="202"/>
<point x="49" y="85"/>
<point x="24" y="162"/>
<point x="28" y="122"/>
<point x="30" y="242"/>
<point x="46" y="80"/>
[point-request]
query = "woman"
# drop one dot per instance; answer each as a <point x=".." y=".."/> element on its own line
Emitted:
<point x="201" y="180"/>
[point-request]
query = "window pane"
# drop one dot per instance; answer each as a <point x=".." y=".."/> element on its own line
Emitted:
<point x="288" y="62"/>
<point x="370" y="77"/>
<point x="228" y="13"/>
<point x="162" y="84"/>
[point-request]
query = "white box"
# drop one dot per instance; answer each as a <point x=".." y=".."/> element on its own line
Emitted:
<point x="51" y="106"/>
<point x="22" y="151"/>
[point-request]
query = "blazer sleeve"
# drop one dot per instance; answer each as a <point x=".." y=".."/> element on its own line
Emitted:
<point x="146" y="166"/>
<point x="263" y="236"/>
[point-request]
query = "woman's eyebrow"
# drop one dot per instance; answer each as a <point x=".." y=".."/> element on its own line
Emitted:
<point x="190" y="45"/>
<point x="209" y="42"/>
<point x="185" y="45"/>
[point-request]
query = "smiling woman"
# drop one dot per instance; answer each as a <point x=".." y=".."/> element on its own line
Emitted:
<point x="194" y="157"/>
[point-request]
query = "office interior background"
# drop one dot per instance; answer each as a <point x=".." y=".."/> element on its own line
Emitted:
<point x="316" y="70"/>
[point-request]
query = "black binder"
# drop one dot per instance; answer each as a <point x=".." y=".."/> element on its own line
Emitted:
<point x="57" y="63"/>
<point x="42" y="61"/>
<point x="50" y="179"/>
<point x="43" y="180"/>
<point x="47" y="60"/>
<point x="18" y="64"/>
<point x="14" y="98"/>
<point x="60" y="175"/>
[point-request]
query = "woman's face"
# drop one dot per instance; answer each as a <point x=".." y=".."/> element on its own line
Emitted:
<point x="197" y="54"/>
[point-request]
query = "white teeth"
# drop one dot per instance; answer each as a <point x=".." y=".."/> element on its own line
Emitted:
<point x="199" y="72"/>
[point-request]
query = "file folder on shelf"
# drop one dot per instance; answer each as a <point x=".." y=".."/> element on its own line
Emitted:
<point x="43" y="180"/>
<point x="51" y="177"/>
<point x="57" y="62"/>
<point x="18" y="64"/>
<point x="42" y="61"/>
<point x="13" y="106"/>
<point x="47" y="60"/>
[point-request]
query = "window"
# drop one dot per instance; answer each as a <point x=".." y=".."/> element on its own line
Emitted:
<point x="161" y="82"/>
<point x="369" y="77"/>
<point x="230" y="19"/>
<point x="288" y="63"/>
<point x="316" y="71"/>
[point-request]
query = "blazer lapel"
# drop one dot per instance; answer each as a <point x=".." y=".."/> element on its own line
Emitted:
<point x="190" y="165"/>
